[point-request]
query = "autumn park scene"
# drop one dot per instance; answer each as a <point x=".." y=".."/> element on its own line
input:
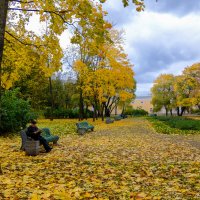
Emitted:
<point x="99" y="99"/>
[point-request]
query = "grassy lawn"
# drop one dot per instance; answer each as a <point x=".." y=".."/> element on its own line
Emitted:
<point x="124" y="160"/>
<point x="176" y="125"/>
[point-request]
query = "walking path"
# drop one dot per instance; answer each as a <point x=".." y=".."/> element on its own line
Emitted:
<point x="125" y="160"/>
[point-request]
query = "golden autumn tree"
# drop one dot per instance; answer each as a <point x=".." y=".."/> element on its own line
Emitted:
<point x="18" y="63"/>
<point x="105" y="72"/>
<point x="177" y="92"/>
<point x="187" y="88"/>
<point x="163" y="93"/>
<point x="88" y="38"/>
<point x="194" y="73"/>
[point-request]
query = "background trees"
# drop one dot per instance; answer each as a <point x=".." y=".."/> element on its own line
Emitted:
<point x="163" y="93"/>
<point x="180" y="92"/>
<point x="104" y="73"/>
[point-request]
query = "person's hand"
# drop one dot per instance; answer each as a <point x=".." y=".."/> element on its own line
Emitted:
<point x="38" y="132"/>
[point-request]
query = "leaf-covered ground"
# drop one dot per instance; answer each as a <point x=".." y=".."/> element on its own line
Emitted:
<point x="124" y="160"/>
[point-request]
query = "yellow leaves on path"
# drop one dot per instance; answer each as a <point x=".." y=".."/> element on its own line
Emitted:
<point x="124" y="160"/>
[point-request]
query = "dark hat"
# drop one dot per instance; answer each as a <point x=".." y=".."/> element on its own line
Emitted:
<point x="33" y="121"/>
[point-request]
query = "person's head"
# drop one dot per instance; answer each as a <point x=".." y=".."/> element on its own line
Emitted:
<point x="33" y="122"/>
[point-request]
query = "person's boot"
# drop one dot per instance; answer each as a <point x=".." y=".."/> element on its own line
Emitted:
<point x="48" y="150"/>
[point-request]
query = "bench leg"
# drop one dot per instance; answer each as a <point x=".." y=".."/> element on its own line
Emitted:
<point x="55" y="143"/>
<point x="81" y="131"/>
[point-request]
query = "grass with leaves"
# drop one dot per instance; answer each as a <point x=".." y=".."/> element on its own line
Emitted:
<point x="123" y="160"/>
<point x="175" y="125"/>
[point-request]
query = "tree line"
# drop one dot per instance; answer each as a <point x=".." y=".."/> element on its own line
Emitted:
<point x="181" y="92"/>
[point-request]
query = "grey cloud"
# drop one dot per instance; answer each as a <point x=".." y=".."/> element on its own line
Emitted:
<point x="176" y="7"/>
<point x="156" y="55"/>
<point x="179" y="8"/>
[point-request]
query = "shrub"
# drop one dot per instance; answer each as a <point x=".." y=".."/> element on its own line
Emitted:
<point x="62" y="113"/>
<point x="15" y="112"/>
<point x="196" y="111"/>
<point x="180" y="123"/>
<point x="175" y="125"/>
<point x="135" y="112"/>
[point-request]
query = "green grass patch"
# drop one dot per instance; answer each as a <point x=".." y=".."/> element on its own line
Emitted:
<point x="175" y="125"/>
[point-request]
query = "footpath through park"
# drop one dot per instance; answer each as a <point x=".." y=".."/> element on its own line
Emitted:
<point x="124" y="160"/>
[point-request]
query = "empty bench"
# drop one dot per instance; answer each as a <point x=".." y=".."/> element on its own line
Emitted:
<point x="83" y="127"/>
<point x="109" y="120"/>
<point x="117" y="118"/>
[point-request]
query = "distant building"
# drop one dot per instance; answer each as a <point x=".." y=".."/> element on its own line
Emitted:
<point x="143" y="102"/>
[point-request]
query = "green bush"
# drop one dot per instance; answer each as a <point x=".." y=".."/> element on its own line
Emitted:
<point x="180" y="123"/>
<point x="196" y="111"/>
<point x="175" y="125"/>
<point x="15" y="111"/>
<point x="186" y="124"/>
<point x="65" y="113"/>
<point x="135" y="112"/>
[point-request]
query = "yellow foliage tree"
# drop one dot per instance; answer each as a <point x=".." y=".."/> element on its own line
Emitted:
<point x="104" y="72"/>
<point x="163" y="93"/>
<point x="187" y="87"/>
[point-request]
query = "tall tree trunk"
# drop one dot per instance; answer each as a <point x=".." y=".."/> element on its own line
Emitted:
<point x="3" y="16"/>
<point x="171" y="112"/>
<point x="107" y="112"/>
<point x="94" y="112"/>
<point x="166" y="111"/>
<point x="182" y="110"/>
<point x="123" y="108"/>
<point x="96" y="109"/>
<point x="86" y="112"/>
<point x="115" y="109"/>
<point x="178" y="111"/>
<point x="81" y="106"/>
<point x="102" y="111"/>
<point x="51" y="96"/>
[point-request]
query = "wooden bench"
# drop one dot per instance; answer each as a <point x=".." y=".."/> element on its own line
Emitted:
<point x="32" y="146"/>
<point x="117" y="118"/>
<point x="47" y="135"/>
<point x="83" y="127"/>
<point x="123" y="116"/>
<point x="109" y="120"/>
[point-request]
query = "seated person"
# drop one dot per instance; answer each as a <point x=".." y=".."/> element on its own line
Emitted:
<point x="34" y="132"/>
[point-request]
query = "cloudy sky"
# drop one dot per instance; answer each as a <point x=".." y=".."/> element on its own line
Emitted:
<point x="165" y="38"/>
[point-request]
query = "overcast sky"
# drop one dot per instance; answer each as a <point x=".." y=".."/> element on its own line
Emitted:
<point x="165" y="38"/>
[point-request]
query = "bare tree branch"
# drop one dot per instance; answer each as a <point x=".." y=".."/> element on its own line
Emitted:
<point x="37" y="10"/>
<point x="19" y="1"/>
<point x="58" y="13"/>
<point x="22" y="42"/>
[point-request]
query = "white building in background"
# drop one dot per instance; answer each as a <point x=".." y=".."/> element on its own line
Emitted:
<point x="143" y="102"/>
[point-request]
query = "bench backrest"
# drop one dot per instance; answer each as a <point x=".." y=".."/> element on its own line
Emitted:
<point x="46" y="132"/>
<point x="24" y="139"/>
<point x="82" y="124"/>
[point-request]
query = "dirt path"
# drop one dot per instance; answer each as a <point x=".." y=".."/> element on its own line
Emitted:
<point x="125" y="160"/>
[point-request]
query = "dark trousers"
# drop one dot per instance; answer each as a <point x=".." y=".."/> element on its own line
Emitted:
<point x="43" y="142"/>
